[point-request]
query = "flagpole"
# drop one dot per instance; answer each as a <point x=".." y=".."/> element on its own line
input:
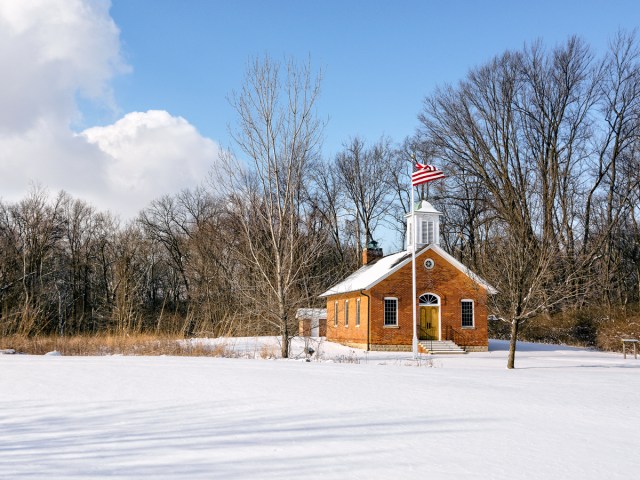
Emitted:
<point x="413" y="266"/>
<point x="423" y="174"/>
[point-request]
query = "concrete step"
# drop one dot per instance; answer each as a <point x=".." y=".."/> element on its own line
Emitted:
<point x="439" y="347"/>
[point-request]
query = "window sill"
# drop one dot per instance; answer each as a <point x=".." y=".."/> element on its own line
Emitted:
<point x="391" y="326"/>
<point x="468" y="328"/>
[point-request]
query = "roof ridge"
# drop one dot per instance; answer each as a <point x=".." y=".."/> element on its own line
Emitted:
<point x="386" y="266"/>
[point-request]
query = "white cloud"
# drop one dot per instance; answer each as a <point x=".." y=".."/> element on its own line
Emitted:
<point x="151" y="153"/>
<point x="51" y="51"/>
<point x="53" y="156"/>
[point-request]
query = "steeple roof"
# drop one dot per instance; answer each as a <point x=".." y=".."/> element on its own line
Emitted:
<point x="425" y="207"/>
<point x="422" y="206"/>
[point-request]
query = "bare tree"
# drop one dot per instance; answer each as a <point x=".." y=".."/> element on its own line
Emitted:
<point x="279" y="135"/>
<point x="532" y="279"/>
<point x="366" y="175"/>
<point x="516" y="128"/>
<point x="616" y="146"/>
<point x="328" y="198"/>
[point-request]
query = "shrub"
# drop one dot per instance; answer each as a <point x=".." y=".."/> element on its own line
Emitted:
<point x="587" y="327"/>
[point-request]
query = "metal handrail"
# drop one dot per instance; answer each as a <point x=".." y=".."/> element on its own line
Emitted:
<point x="428" y="333"/>
<point x="428" y="336"/>
<point x="456" y="336"/>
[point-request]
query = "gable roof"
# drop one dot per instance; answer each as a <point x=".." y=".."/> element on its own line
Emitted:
<point x="370" y="275"/>
<point x="311" y="313"/>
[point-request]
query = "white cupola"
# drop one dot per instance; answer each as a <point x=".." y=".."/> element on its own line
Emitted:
<point x="428" y="223"/>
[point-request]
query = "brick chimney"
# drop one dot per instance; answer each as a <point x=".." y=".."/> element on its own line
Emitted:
<point x="371" y="253"/>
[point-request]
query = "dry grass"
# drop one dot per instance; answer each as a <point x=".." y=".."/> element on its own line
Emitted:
<point x="268" y="352"/>
<point x="613" y="330"/>
<point x="140" y="344"/>
<point x="582" y="328"/>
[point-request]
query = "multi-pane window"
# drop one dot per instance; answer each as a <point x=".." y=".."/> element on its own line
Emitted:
<point x="357" y="312"/>
<point x="427" y="231"/>
<point x="335" y="314"/>
<point x="390" y="312"/>
<point x="467" y="313"/>
<point x="346" y="313"/>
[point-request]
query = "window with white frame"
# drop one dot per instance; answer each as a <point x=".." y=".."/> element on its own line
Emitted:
<point x="427" y="231"/>
<point x="335" y="313"/>
<point x="357" y="312"/>
<point x="423" y="232"/>
<point x="390" y="312"/>
<point x="467" y="313"/>
<point x="346" y="313"/>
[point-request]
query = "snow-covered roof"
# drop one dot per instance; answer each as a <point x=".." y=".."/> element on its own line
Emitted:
<point x="312" y="313"/>
<point x="367" y="276"/>
<point x="423" y="207"/>
<point x="370" y="275"/>
<point x="426" y="207"/>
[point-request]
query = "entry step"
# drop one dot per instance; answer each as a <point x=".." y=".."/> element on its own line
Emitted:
<point x="439" y="347"/>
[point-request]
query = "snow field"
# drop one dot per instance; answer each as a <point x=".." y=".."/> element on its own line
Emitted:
<point x="563" y="413"/>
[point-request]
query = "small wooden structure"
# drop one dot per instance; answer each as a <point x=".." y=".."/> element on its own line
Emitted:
<point x="312" y="322"/>
<point x="629" y="341"/>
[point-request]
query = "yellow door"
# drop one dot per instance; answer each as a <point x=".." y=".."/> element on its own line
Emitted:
<point x="429" y="323"/>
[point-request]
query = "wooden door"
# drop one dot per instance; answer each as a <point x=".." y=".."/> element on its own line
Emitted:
<point x="429" y="318"/>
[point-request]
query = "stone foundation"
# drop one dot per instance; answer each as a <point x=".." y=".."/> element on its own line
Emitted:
<point x="406" y="348"/>
<point x="390" y="348"/>
<point x="361" y="346"/>
<point x="477" y="349"/>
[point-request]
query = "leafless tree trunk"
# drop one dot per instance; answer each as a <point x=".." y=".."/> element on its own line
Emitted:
<point x="279" y="134"/>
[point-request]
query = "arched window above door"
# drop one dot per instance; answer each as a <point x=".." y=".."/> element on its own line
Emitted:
<point x="428" y="299"/>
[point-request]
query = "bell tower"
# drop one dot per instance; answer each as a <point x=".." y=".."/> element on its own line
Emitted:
<point x="427" y="223"/>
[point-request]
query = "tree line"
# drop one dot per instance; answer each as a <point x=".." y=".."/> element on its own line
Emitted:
<point x="540" y="148"/>
<point x="266" y="233"/>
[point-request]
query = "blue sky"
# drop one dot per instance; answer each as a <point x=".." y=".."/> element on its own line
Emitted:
<point x="379" y="58"/>
<point x="119" y="102"/>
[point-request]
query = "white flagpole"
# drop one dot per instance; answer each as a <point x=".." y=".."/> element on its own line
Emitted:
<point x="413" y="267"/>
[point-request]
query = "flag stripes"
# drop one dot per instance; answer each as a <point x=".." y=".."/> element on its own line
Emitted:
<point x="425" y="174"/>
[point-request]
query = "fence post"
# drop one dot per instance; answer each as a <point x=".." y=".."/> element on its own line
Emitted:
<point x="633" y="342"/>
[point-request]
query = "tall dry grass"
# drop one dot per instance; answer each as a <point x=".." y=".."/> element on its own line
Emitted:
<point x="599" y="328"/>
<point x="613" y="330"/>
<point x="130" y="344"/>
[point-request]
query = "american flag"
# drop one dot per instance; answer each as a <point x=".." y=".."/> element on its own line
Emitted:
<point x="425" y="173"/>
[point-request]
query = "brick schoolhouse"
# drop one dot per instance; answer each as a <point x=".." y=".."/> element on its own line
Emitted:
<point x="372" y="308"/>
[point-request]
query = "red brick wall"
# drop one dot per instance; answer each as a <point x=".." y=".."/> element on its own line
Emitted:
<point x="351" y="334"/>
<point x="322" y="328"/>
<point x="304" y="327"/>
<point x="444" y="280"/>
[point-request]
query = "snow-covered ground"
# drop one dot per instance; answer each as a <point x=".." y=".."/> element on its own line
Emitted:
<point x="563" y="413"/>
